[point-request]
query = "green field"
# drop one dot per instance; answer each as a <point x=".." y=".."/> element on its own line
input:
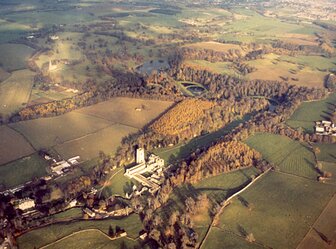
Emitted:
<point x="15" y="92"/>
<point x="282" y="209"/>
<point x="51" y="233"/>
<point x="12" y="145"/>
<point x="286" y="154"/>
<point x="14" y="56"/>
<point x="107" y="140"/>
<point x="73" y="213"/>
<point x="47" y="132"/>
<point x="92" y="239"/>
<point x="22" y="171"/>
<point x="309" y="112"/>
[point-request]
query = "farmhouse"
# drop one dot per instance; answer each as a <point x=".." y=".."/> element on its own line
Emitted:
<point x="58" y="168"/>
<point x="325" y="128"/>
<point x="153" y="168"/>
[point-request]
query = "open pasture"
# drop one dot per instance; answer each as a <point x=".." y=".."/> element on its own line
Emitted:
<point x="273" y="67"/>
<point x="12" y="145"/>
<point x="47" y="132"/>
<point x="309" y="112"/>
<point x="15" y="91"/>
<point x="322" y="236"/>
<point x="278" y="209"/>
<point x="22" y="170"/>
<point x="91" y="239"/>
<point x="88" y="146"/>
<point x="287" y="155"/>
<point x="127" y="111"/>
<point x="46" y="235"/>
<point x="3" y="74"/>
<point x="14" y="56"/>
<point x="327" y="152"/>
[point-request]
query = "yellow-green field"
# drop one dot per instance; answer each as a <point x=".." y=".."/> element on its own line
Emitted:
<point x="88" y="146"/>
<point x="128" y="111"/>
<point x="275" y="67"/>
<point x="14" y="56"/>
<point x="15" y="92"/>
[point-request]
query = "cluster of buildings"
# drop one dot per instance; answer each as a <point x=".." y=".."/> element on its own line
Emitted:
<point x="148" y="173"/>
<point x="325" y="128"/>
<point x="62" y="167"/>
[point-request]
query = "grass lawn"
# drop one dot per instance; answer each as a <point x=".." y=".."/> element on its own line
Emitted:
<point x="22" y="170"/>
<point x="309" y="112"/>
<point x="282" y="209"/>
<point x="118" y="184"/>
<point x="92" y="239"/>
<point x="51" y="233"/>
<point x="72" y="213"/>
<point x="288" y="155"/>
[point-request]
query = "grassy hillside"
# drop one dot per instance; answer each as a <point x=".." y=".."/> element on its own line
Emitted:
<point x="290" y="202"/>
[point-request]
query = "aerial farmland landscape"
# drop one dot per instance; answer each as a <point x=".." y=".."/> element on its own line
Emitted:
<point x="207" y="124"/>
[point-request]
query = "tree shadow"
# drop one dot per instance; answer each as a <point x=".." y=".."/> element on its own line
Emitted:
<point x="243" y="201"/>
<point x="242" y="231"/>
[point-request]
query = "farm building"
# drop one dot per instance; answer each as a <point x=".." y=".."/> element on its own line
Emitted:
<point x="325" y="128"/>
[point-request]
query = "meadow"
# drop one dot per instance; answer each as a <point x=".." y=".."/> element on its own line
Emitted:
<point x="46" y="235"/>
<point x="327" y="152"/>
<point x="296" y="71"/>
<point x="92" y="239"/>
<point x="15" y="92"/>
<point x="22" y="170"/>
<point x="14" y="56"/>
<point x="88" y="146"/>
<point x="48" y="132"/>
<point x="287" y="155"/>
<point x="323" y="230"/>
<point x="127" y="111"/>
<point x="292" y="203"/>
<point x="309" y="112"/>
<point x="12" y="145"/>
